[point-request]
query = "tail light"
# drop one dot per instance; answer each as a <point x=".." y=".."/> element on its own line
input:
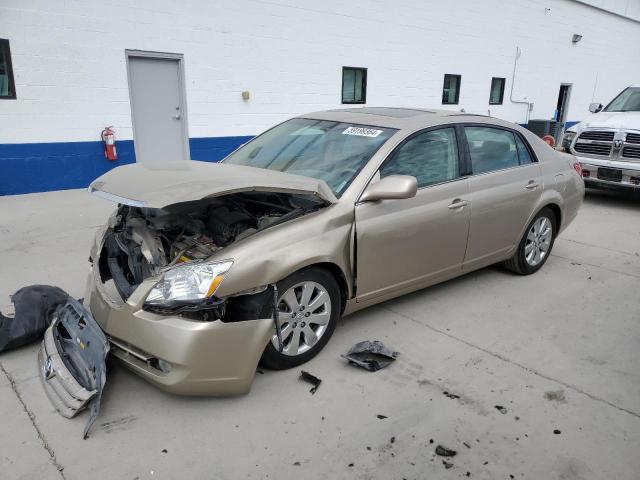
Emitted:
<point x="578" y="168"/>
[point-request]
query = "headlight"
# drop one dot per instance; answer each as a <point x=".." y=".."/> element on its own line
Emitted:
<point x="567" y="139"/>
<point x="188" y="283"/>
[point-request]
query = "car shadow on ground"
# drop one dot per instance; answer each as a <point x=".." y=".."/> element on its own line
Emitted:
<point x="612" y="198"/>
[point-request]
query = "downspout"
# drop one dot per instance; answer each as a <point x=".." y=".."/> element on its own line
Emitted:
<point x="513" y="82"/>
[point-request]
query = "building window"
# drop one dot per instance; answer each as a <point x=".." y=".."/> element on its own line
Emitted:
<point x="451" y="89"/>
<point x="496" y="95"/>
<point x="354" y="85"/>
<point x="7" y="85"/>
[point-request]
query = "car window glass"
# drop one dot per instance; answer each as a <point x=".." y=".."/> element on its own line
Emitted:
<point x="491" y="149"/>
<point x="431" y="157"/>
<point x="523" y="152"/>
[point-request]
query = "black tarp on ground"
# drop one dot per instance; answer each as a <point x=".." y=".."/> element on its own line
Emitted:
<point x="34" y="306"/>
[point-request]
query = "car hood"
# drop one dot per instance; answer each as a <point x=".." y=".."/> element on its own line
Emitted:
<point x="163" y="184"/>
<point x="625" y="120"/>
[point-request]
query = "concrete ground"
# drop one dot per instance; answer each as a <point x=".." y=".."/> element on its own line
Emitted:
<point x="559" y="350"/>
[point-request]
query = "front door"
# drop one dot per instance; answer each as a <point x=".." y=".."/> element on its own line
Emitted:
<point x="503" y="189"/>
<point x="156" y="91"/>
<point x="406" y="244"/>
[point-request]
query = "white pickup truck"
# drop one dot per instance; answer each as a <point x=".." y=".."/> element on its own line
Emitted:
<point x="607" y="143"/>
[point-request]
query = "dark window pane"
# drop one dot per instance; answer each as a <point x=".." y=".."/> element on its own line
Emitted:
<point x="451" y="89"/>
<point x="491" y="149"/>
<point x="7" y="86"/>
<point x="431" y="157"/>
<point x="523" y="152"/>
<point x="354" y="85"/>
<point x="496" y="96"/>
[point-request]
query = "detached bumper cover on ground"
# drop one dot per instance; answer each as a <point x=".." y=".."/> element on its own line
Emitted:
<point x="72" y="362"/>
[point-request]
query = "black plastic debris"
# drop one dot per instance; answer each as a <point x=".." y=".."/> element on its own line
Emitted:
<point x="445" y="452"/>
<point x="451" y="395"/>
<point x="34" y="306"/>
<point x="557" y="432"/>
<point x="312" y="379"/>
<point x="501" y="409"/>
<point x="447" y="465"/>
<point x="371" y="356"/>
<point x="381" y="417"/>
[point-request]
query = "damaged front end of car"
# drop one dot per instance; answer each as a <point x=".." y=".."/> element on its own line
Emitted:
<point x="156" y="271"/>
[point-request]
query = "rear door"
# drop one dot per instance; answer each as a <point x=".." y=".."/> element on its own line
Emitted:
<point x="503" y="189"/>
<point x="404" y="243"/>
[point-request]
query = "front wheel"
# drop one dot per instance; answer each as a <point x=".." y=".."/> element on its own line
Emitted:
<point x="308" y="310"/>
<point x="536" y="244"/>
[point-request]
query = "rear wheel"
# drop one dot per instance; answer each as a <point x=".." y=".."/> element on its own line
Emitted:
<point x="308" y="309"/>
<point x="536" y="244"/>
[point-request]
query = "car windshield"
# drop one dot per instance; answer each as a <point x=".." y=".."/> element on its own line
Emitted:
<point x="627" y="101"/>
<point x="330" y="151"/>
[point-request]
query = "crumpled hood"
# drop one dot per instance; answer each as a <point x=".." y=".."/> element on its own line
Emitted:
<point x="630" y="120"/>
<point x="163" y="184"/>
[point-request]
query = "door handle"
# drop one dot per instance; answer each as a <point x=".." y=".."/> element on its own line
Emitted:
<point x="177" y="115"/>
<point x="532" y="185"/>
<point x="458" y="203"/>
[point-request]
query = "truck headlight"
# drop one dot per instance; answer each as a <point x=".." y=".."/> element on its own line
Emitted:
<point x="567" y="139"/>
<point x="188" y="283"/>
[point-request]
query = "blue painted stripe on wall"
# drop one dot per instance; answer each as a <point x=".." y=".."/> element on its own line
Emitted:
<point x="43" y="167"/>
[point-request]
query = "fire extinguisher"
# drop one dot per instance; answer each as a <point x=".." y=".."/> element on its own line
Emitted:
<point x="108" y="138"/>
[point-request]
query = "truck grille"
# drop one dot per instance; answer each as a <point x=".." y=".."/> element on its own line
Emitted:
<point x="633" y="138"/>
<point x="631" y="152"/>
<point x="593" y="148"/>
<point x="602" y="136"/>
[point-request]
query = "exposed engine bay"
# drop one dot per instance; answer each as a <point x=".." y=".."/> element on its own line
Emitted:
<point x="141" y="242"/>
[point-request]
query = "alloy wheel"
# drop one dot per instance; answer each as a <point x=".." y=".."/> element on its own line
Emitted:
<point x="538" y="241"/>
<point x="304" y="311"/>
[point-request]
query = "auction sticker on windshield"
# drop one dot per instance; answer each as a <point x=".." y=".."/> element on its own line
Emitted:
<point x="362" y="132"/>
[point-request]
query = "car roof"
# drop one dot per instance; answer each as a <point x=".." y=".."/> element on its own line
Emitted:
<point x="401" y="118"/>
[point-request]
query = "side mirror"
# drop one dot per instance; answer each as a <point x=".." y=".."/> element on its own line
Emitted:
<point x="595" y="107"/>
<point x="391" y="187"/>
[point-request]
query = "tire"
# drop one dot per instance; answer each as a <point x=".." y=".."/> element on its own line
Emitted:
<point x="296" y="317"/>
<point x="539" y="235"/>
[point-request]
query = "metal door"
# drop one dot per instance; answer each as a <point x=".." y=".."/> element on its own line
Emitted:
<point x="158" y="107"/>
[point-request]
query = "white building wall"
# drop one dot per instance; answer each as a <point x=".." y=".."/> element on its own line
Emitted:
<point x="69" y="61"/>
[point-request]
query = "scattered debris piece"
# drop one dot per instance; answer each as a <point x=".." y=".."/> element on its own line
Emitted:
<point x="371" y="356"/>
<point x="351" y="464"/>
<point x="296" y="464"/>
<point x="33" y="309"/>
<point x="164" y="450"/>
<point x="468" y="474"/>
<point x="368" y="448"/>
<point x="517" y="418"/>
<point x="557" y="432"/>
<point x="466" y="444"/>
<point x="447" y="465"/>
<point x="381" y="417"/>
<point x="501" y="409"/>
<point x="312" y="379"/>
<point x="451" y="395"/>
<point x="431" y="440"/>
<point x="72" y="361"/>
<point x="486" y="463"/>
<point x="392" y="440"/>
<point x="445" y="452"/>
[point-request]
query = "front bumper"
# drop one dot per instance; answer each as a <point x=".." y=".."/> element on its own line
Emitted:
<point x="177" y="354"/>
<point x="630" y="173"/>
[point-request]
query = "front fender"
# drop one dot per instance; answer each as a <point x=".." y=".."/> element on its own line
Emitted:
<point x="275" y="253"/>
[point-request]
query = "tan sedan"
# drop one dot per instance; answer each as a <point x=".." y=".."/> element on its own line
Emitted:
<point x="322" y="215"/>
